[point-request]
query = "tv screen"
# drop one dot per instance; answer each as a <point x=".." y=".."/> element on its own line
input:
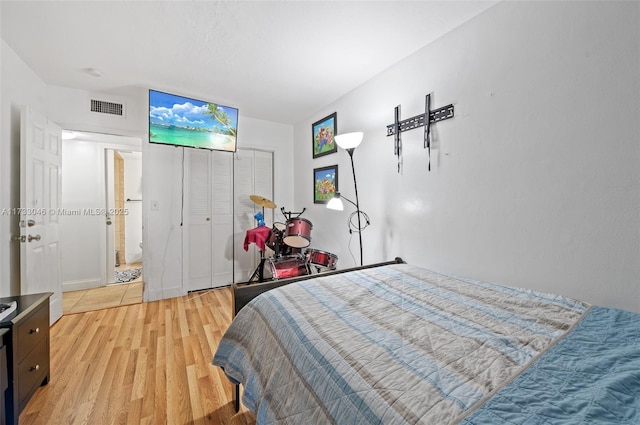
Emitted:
<point x="181" y="121"/>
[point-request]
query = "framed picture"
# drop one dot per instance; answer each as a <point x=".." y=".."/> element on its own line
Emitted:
<point x="325" y="184"/>
<point x="323" y="132"/>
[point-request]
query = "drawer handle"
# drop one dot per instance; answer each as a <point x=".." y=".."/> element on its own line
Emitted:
<point x="34" y="331"/>
<point x="34" y="368"/>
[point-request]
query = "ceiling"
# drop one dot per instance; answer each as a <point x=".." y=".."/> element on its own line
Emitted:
<point x="274" y="60"/>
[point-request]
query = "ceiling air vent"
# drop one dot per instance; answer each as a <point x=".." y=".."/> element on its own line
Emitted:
<point x="110" y="108"/>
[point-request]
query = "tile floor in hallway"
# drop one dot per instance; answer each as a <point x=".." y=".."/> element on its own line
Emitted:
<point x="103" y="297"/>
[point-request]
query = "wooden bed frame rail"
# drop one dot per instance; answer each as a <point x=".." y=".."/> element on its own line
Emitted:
<point x="244" y="293"/>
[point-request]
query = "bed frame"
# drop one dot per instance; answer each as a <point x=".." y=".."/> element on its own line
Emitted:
<point x="245" y="292"/>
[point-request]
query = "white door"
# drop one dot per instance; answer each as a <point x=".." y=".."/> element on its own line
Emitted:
<point x="108" y="274"/>
<point x="214" y="232"/>
<point x="208" y="235"/>
<point x="222" y="218"/>
<point x="40" y="162"/>
<point x="197" y="232"/>
<point x="253" y="175"/>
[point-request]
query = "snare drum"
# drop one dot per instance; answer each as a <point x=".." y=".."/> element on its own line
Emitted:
<point x="298" y="232"/>
<point x="289" y="266"/>
<point x="321" y="258"/>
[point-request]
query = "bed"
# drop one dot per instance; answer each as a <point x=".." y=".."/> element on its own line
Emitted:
<point x="398" y="344"/>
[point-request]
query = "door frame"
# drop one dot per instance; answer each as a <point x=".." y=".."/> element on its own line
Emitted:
<point x="110" y="229"/>
<point x="104" y="142"/>
<point x="112" y="211"/>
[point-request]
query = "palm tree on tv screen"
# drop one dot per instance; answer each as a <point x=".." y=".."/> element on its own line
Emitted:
<point x="221" y="116"/>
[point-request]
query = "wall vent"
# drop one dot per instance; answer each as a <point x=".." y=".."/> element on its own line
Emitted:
<point x="104" y="107"/>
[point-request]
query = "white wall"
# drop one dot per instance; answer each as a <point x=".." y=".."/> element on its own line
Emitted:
<point x="82" y="234"/>
<point x="535" y="182"/>
<point x="70" y="108"/>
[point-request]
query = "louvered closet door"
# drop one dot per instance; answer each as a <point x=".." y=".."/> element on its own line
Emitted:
<point x="263" y="181"/>
<point x="208" y="219"/>
<point x="197" y="220"/>
<point x="253" y="174"/>
<point x="222" y="218"/>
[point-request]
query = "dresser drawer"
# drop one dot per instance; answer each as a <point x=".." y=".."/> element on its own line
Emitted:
<point x="30" y="332"/>
<point x="4" y="383"/>
<point x="33" y="371"/>
<point x="27" y="344"/>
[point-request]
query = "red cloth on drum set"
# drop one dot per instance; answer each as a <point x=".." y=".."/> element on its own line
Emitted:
<point x="258" y="236"/>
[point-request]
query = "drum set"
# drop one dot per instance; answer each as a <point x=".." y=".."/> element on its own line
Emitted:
<point x="290" y="242"/>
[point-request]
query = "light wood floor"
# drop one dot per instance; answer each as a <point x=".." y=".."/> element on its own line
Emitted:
<point x="147" y="363"/>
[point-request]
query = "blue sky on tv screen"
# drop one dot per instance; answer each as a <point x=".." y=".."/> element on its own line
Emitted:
<point x="168" y="109"/>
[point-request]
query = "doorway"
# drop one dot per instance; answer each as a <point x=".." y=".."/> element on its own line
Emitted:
<point x="101" y="205"/>
<point x="124" y="215"/>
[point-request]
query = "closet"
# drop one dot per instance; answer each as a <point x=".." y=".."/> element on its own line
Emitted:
<point x="217" y="212"/>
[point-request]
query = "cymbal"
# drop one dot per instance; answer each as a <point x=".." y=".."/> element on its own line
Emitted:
<point x="263" y="202"/>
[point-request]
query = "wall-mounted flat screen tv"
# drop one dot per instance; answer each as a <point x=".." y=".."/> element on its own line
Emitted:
<point x="182" y="121"/>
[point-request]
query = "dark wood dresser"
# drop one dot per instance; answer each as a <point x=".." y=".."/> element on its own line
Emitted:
<point x="27" y="351"/>
<point x="4" y="381"/>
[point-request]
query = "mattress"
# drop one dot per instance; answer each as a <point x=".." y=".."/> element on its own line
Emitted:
<point x="401" y="344"/>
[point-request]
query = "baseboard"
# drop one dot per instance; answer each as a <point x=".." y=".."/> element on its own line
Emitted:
<point x="162" y="294"/>
<point x="79" y="285"/>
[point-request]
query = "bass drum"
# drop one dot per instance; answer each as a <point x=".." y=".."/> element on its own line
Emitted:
<point x="321" y="258"/>
<point x="288" y="266"/>
<point x="298" y="232"/>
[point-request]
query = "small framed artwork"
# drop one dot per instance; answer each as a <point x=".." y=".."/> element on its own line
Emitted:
<point x="323" y="133"/>
<point x="325" y="184"/>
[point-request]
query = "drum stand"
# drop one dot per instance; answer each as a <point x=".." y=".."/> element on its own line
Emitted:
<point x="263" y="202"/>
<point x="259" y="271"/>
<point x="277" y="247"/>
<point x="288" y="214"/>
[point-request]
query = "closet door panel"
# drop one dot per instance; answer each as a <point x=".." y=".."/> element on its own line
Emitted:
<point x="198" y="225"/>
<point x="263" y="182"/>
<point x="222" y="217"/>
<point x="253" y="175"/>
<point x="245" y="261"/>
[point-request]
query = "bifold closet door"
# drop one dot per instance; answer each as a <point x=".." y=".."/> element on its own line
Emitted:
<point x="253" y="175"/>
<point x="208" y="219"/>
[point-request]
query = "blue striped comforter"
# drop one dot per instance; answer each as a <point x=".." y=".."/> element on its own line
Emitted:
<point x="390" y="345"/>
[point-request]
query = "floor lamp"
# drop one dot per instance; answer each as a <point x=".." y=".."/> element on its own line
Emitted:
<point x="349" y="142"/>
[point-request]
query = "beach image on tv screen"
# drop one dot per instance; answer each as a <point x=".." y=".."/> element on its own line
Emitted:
<point x="181" y="121"/>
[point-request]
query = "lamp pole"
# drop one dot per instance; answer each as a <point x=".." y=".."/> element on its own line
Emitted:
<point x="355" y="186"/>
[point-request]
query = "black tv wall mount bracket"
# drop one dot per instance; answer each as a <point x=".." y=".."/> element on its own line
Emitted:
<point x="421" y="120"/>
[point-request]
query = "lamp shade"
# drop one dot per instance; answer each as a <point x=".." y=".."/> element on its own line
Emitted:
<point x="335" y="203"/>
<point x="349" y="140"/>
